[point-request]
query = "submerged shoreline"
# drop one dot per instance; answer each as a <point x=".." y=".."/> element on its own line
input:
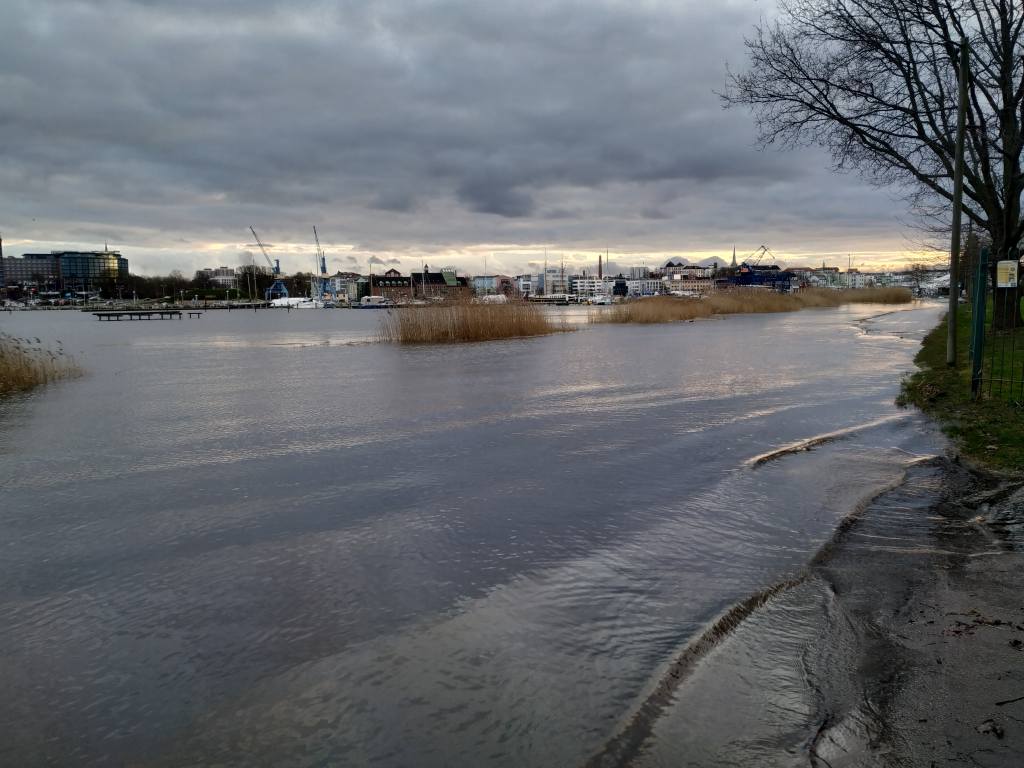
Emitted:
<point x="899" y="644"/>
<point x="632" y="744"/>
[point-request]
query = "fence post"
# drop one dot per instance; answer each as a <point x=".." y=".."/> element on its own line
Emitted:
<point x="978" y="323"/>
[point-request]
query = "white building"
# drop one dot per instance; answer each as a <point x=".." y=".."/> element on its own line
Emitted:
<point x="590" y="286"/>
<point x="527" y="284"/>
<point x="220" y="277"/>
<point x="854" y="278"/>
<point x="556" y="280"/>
<point x="820" y="277"/>
<point x="648" y="286"/>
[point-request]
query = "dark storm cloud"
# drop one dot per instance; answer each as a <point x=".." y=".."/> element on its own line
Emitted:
<point x="429" y="124"/>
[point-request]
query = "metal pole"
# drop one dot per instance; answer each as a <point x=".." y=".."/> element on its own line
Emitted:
<point x="958" y="197"/>
<point x="978" y="323"/>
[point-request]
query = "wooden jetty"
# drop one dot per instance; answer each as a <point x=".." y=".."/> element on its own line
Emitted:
<point x="145" y="314"/>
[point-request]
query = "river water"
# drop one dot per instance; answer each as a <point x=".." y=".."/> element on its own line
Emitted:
<point x="264" y="539"/>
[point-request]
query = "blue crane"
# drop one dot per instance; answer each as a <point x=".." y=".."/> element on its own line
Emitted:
<point x="277" y="290"/>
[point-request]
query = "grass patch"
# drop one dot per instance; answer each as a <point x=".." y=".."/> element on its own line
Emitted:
<point x="465" y="322"/>
<point x="25" y="365"/>
<point x="989" y="430"/>
<point x="668" y="309"/>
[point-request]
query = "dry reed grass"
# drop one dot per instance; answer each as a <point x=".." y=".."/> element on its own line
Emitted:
<point x="464" y="322"/>
<point x="26" y="364"/>
<point x="668" y="309"/>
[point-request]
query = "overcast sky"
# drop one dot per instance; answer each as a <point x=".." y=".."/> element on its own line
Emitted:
<point x="407" y="131"/>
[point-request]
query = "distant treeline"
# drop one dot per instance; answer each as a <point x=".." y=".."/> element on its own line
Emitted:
<point x="252" y="282"/>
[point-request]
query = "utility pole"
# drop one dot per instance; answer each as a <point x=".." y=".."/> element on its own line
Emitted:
<point x="958" y="198"/>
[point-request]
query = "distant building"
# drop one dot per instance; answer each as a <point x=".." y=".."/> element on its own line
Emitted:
<point x="66" y="270"/>
<point x="34" y="270"/>
<point x="344" y="286"/>
<point x="444" y="284"/>
<point x="391" y="285"/>
<point x="556" y="281"/>
<point x="526" y="285"/>
<point x="590" y="286"/>
<point x="484" y="285"/>
<point x="697" y="282"/>
<point x="224" y="278"/>
<point x="673" y="267"/>
<point x="639" y="273"/>
<point x="647" y="286"/>
<point x="818" y="277"/>
<point x="685" y="269"/>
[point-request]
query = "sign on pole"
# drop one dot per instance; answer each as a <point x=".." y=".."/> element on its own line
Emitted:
<point x="1006" y="274"/>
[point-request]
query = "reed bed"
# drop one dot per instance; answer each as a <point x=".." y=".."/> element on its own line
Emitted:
<point x="26" y="364"/>
<point x="669" y="309"/>
<point x="465" y="322"/>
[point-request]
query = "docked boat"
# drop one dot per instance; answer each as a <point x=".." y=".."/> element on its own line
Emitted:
<point x="297" y="302"/>
<point x="375" y="302"/>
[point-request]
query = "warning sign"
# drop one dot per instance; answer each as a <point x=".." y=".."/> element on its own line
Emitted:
<point x="1006" y="274"/>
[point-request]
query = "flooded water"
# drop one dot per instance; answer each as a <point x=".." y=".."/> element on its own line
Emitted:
<point x="260" y="538"/>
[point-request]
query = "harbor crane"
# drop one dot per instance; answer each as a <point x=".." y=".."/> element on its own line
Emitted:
<point x="277" y="290"/>
<point x="320" y="282"/>
<point x="760" y="253"/>
<point x="321" y="257"/>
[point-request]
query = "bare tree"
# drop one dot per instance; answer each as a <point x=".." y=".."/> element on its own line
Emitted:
<point x="969" y="259"/>
<point x="874" y="81"/>
<point x="918" y="273"/>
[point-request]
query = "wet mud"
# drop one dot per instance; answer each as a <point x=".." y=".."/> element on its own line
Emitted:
<point x="901" y="644"/>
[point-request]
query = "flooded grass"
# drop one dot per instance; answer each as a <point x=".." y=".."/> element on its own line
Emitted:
<point x="26" y="364"/>
<point x="465" y="322"/>
<point x="988" y="430"/>
<point x="669" y="309"/>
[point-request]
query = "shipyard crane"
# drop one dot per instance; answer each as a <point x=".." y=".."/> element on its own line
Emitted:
<point x="321" y="257"/>
<point x="320" y="282"/>
<point x="277" y="290"/>
<point x="770" y="276"/>
<point x="759" y="254"/>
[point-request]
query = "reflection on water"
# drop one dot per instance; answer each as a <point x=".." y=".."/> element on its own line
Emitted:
<point x="256" y="536"/>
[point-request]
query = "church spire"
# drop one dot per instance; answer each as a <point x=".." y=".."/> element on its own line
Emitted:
<point x="734" y="256"/>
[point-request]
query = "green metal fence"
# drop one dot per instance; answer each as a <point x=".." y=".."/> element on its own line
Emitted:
<point x="997" y="348"/>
